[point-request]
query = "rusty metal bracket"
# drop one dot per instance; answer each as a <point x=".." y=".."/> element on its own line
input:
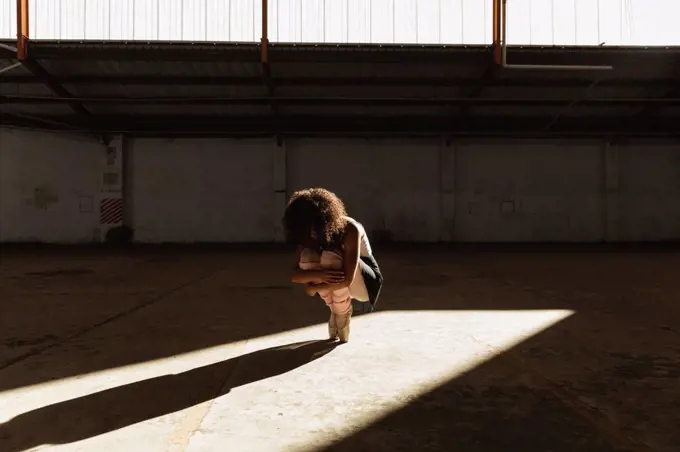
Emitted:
<point x="39" y="72"/>
<point x="22" y="30"/>
<point x="496" y="33"/>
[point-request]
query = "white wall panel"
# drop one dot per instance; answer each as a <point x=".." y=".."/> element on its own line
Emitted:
<point x="564" y="28"/>
<point x="203" y="190"/>
<point x="429" y="23"/>
<point x="193" y="20"/>
<point x="358" y="21"/>
<point x="146" y="19"/>
<point x="312" y="15"/>
<point x="405" y="21"/>
<point x="530" y="22"/>
<point x="477" y="19"/>
<point x="170" y="20"/>
<point x="49" y="187"/>
<point x="383" y="20"/>
<point x="391" y="186"/>
<point x="335" y="21"/>
<point x="648" y="192"/>
<point x="72" y="19"/>
<point x="121" y="20"/>
<point x="8" y="19"/>
<point x="45" y="19"/>
<point x="216" y="190"/>
<point x="587" y="22"/>
<point x="97" y="16"/>
<point x="528" y="192"/>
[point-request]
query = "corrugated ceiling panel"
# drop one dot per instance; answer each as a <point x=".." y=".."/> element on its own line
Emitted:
<point x="159" y="68"/>
<point x="369" y="69"/>
<point x="183" y="110"/>
<point x="370" y="91"/>
<point x="38" y="110"/>
<point x="359" y="110"/>
<point x="530" y="22"/>
<point x="112" y="90"/>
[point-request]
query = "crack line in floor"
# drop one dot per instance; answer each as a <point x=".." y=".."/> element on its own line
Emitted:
<point x="111" y="319"/>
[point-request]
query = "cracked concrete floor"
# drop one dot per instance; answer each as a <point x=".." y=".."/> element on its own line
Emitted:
<point x="186" y="350"/>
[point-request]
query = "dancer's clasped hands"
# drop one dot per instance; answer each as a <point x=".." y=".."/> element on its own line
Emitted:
<point x="331" y="276"/>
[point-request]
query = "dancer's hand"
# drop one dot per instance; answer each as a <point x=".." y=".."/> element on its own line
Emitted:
<point x="329" y="276"/>
<point x="332" y="276"/>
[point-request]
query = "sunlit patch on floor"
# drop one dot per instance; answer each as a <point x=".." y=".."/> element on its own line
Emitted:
<point x="250" y="395"/>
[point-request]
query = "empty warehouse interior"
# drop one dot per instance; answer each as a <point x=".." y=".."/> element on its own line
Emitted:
<point x="454" y="149"/>
<point x="521" y="195"/>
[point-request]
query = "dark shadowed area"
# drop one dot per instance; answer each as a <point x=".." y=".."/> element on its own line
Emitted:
<point x="603" y="379"/>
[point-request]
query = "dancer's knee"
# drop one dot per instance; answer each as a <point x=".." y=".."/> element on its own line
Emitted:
<point x="341" y="307"/>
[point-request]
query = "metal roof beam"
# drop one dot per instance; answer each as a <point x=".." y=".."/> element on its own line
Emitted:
<point x="397" y="125"/>
<point x="651" y="109"/>
<point x="476" y="91"/>
<point x="63" y="95"/>
<point x="76" y="102"/>
<point x="375" y="81"/>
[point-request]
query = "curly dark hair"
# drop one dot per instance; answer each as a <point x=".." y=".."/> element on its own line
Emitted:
<point x="318" y="211"/>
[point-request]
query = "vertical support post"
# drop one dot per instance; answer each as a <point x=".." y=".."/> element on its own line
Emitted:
<point x="448" y="191"/>
<point x="280" y="182"/>
<point x="443" y="143"/>
<point x="127" y="178"/>
<point x="497" y="32"/>
<point x="265" y="32"/>
<point x="610" y="201"/>
<point x="22" y="30"/>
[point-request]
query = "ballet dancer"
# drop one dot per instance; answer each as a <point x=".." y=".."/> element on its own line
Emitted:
<point x="333" y="256"/>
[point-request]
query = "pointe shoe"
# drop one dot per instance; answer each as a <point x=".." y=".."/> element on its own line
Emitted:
<point x="343" y="333"/>
<point x="332" y="328"/>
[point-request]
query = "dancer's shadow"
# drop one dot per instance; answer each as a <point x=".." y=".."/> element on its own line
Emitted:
<point x="115" y="408"/>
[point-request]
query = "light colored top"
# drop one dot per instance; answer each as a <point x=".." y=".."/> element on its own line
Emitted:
<point x="310" y="259"/>
<point x="365" y="244"/>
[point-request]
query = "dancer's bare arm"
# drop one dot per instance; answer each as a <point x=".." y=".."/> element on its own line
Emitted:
<point x="351" y="247"/>
<point x="315" y="276"/>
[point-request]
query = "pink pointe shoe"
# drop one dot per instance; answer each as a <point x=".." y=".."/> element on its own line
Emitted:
<point x="343" y="333"/>
<point x="332" y="328"/>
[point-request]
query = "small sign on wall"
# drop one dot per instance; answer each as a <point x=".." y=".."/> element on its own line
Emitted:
<point x="110" y="178"/>
<point x="508" y="207"/>
<point x="110" y="156"/>
<point x="111" y="212"/>
<point x="111" y="189"/>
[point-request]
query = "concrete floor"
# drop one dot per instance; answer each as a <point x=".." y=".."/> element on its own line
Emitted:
<point x="180" y="350"/>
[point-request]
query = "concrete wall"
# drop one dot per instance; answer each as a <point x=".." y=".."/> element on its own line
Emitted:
<point x="528" y="191"/>
<point x="49" y="187"/>
<point x="421" y="190"/>
<point x="202" y="190"/>
<point x="391" y="186"/>
<point x="648" y="200"/>
<point x="207" y="190"/>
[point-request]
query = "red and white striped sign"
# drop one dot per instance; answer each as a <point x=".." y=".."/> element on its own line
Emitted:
<point x="111" y="211"/>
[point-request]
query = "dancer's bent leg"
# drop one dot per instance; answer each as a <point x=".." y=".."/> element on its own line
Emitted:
<point x="340" y="314"/>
